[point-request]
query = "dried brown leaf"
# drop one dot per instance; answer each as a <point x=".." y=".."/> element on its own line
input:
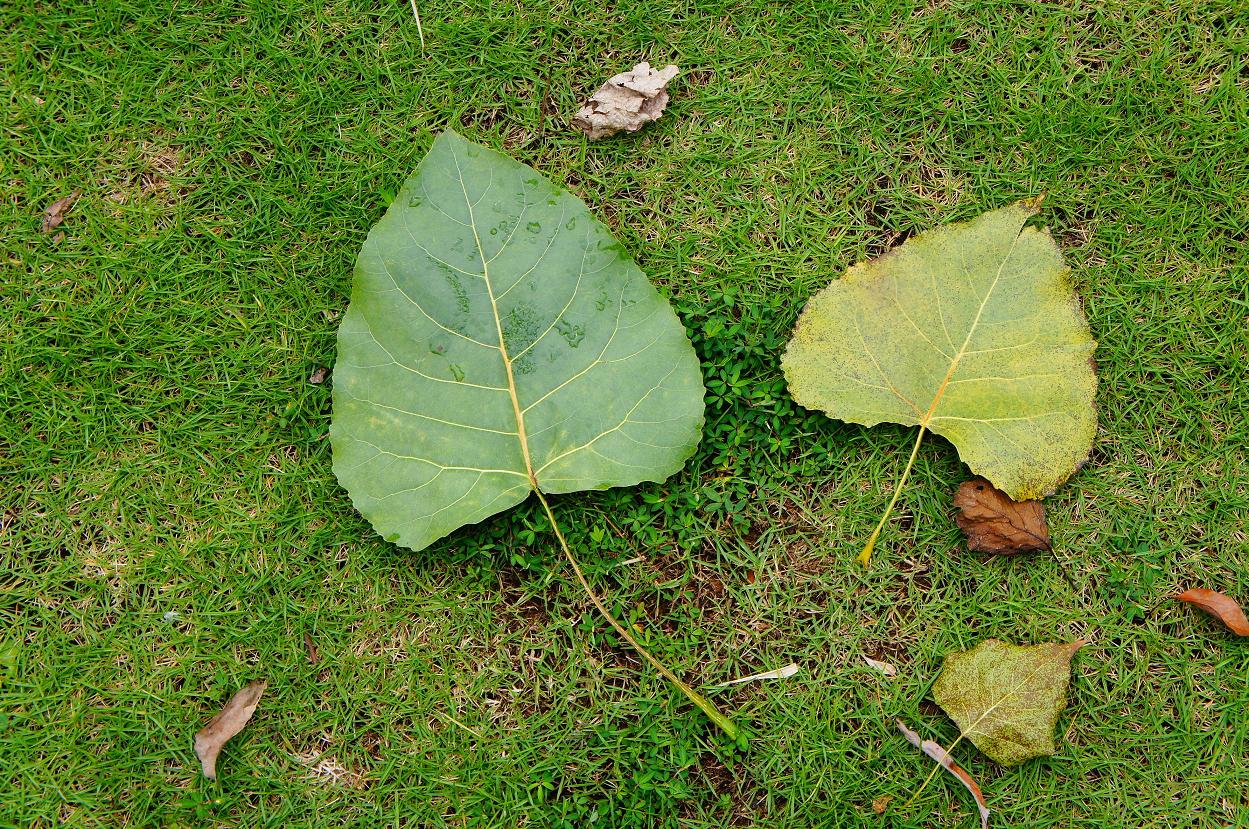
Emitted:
<point x="780" y="673"/>
<point x="57" y="211"/>
<point x="934" y="750"/>
<point x="1222" y="607"/>
<point x="995" y="523"/>
<point x="626" y="103"/>
<point x="210" y="739"/>
<point x="314" y="656"/>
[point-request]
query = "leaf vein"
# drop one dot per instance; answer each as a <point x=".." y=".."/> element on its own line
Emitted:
<point x="613" y="429"/>
<point x="425" y="313"/>
<point x="393" y="361"/>
<point x="425" y="416"/>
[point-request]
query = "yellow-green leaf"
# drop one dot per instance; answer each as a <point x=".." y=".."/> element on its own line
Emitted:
<point x="971" y="331"/>
<point x="1006" y="698"/>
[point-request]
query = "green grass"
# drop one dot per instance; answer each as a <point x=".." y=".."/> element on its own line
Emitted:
<point x="162" y="452"/>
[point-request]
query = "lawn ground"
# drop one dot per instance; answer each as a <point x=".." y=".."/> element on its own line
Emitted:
<point x="170" y="527"/>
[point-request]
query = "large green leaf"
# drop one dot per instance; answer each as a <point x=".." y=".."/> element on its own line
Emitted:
<point x="971" y="331"/>
<point x="500" y="340"/>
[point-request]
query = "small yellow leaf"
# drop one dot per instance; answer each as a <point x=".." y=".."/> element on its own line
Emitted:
<point x="1007" y="698"/>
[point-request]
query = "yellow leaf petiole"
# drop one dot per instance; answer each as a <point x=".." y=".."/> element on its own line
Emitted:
<point x="708" y="708"/>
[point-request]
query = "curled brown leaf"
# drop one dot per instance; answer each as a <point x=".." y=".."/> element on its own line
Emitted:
<point x="934" y="750"/>
<point x="995" y="523"/>
<point x="314" y="656"/>
<point x="210" y="739"/>
<point x="627" y="102"/>
<point x="57" y="211"/>
<point x="1220" y="606"/>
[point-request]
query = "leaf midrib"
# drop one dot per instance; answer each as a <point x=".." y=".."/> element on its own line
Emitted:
<point x="1009" y="694"/>
<point x="498" y="324"/>
<point x="945" y="381"/>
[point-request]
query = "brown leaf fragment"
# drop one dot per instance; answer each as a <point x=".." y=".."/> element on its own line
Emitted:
<point x="313" y="655"/>
<point x="627" y="102"/>
<point x="934" y="750"/>
<point x="995" y="523"/>
<point x="780" y="673"/>
<point x="1220" y="606"/>
<point x="318" y="375"/>
<point x="210" y="739"/>
<point x="57" y="211"/>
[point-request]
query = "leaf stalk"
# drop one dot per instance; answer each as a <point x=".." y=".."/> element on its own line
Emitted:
<point x="865" y="557"/>
<point x="708" y="708"/>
